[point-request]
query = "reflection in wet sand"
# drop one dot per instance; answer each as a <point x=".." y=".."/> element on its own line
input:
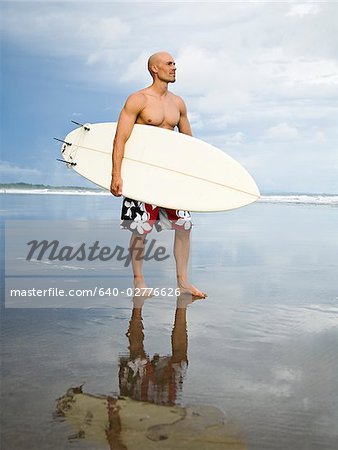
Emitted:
<point x="146" y="415"/>
<point x="157" y="379"/>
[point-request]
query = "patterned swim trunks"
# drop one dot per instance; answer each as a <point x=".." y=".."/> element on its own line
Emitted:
<point x="141" y="217"/>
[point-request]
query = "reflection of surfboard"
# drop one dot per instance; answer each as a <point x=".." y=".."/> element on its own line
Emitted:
<point x="124" y="423"/>
<point x="162" y="167"/>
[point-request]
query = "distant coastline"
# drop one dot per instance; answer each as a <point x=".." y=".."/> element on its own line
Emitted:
<point x="29" y="188"/>
<point x="45" y="186"/>
<point x="273" y="197"/>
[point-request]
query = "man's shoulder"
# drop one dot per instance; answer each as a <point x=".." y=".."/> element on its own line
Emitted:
<point x="137" y="96"/>
<point x="178" y="100"/>
<point x="136" y="100"/>
<point x="174" y="96"/>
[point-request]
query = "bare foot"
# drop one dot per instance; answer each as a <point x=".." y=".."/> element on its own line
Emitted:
<point x="183" y="300"/>
<point x="140" y="288"/>
<point x="139" y="282"/>
<point x="187" y="288"/>
<point x="138" y="301"/>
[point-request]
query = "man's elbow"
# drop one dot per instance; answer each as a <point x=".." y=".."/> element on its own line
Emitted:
<point x="185" y="130"/>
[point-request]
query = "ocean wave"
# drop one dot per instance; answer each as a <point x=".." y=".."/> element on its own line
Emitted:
<point x="53" y="191"/>
<point x="305" y="199"/>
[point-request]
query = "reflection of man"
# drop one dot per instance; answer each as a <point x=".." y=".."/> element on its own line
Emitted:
<point x="157" y="106"/>
<point x="158" y="379"/>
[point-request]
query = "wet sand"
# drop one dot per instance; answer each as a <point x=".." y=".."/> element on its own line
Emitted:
<point x="261" y="348"/>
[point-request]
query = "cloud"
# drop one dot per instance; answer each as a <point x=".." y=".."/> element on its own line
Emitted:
<point x="312" y="28"/>
<point x="10" y="170"/>
<point x="282" y="132"/>
<point x="255" y="76"/>
<point x="213" y="78"/>
<point x="236" y="138"/>
<point x="85" y="33"/>
<point x="303" y="9"/>
<point x="319" y="137"/>
<point x="137" y="70"/>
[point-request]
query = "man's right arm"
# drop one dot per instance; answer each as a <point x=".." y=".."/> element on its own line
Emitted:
<point x="132" y="108"/>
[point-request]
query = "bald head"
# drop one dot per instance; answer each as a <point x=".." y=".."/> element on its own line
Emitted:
<point x="156" y="59"/>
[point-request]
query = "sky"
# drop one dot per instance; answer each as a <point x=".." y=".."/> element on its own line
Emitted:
<point x="260" y="80"/>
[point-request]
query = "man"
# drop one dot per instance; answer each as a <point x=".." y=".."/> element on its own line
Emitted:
<point x="157" y="106"/>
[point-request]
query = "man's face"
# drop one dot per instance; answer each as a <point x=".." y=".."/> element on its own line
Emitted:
<point x="166" y="68"/>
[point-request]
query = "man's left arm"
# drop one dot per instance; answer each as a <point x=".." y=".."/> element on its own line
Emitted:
<point x="183" y="124"/>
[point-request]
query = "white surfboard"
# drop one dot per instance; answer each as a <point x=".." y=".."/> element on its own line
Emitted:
<point x="162" y="167"/>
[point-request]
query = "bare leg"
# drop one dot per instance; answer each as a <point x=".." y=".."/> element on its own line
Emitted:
<point x="179" y="336"/>
<point x="137" y="254"/>
<point x="181" y="253"/>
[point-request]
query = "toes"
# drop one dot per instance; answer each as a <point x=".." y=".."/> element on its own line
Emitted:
<point x="198" y="293"/>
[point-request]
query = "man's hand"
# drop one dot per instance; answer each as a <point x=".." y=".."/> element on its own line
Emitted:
<point x="116" y="186"/>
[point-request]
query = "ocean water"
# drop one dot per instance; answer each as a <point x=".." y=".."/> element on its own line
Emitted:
<point x="291" y="198"/>
<point x="262" y="347"/>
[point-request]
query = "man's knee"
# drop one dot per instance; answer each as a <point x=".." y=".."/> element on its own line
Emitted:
<point x="137" y="240"/>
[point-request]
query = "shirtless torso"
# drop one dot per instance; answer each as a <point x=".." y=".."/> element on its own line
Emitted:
<point x="157" y="111"/>
<point x="146" y="107"/>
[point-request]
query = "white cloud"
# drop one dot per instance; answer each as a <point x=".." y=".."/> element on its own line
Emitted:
<point x="106" y="34"/>
<point x="70" y="31"/>
<point x="282" y="132"/>
<point x="196" y="120"/>
<point x="235" y="139"/>
<point x="303" y="9"/>
<point x="8" y="169"/>
<point x="213" y="78"/>
<point x="136" y="70"/>
<point x="319" y="137"/>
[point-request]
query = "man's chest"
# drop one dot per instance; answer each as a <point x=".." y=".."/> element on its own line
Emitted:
<point x="161" y="113"/>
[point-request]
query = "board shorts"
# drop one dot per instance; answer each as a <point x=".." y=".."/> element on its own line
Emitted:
<point x="140" y="217"/>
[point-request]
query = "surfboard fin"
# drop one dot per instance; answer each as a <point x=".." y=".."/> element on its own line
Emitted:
<point x="64" y="142"/>
<point x="67" y="162"/>
<point x="81" y="125"/>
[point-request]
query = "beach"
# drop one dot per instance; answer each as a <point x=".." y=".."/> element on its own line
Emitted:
<point x="261" y="348"/>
